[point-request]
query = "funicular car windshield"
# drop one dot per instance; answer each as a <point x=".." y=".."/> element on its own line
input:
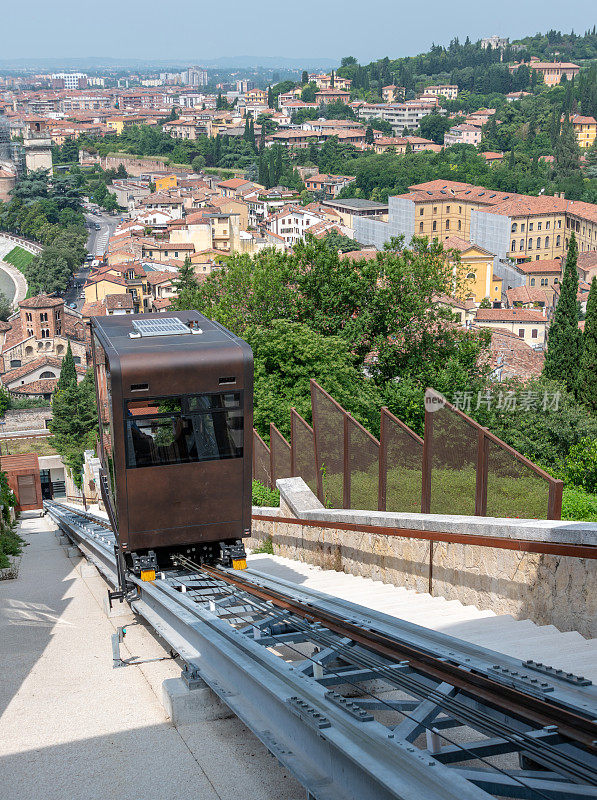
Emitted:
<point x="183" y="429"/>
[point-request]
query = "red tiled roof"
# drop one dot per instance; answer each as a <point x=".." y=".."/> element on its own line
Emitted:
<point x="41" y="301"/>
<point x="508" y="315"/>
<point x="119" y="301"/>
<point x="547" y="265"/>
<point x="43" y="386"/>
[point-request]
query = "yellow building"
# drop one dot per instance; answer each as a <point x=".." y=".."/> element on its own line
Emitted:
<point x="165" y="182"/>
<point x="585" y="130"/>
<point x="540" y="227"/>
<point x="475" y="270"/>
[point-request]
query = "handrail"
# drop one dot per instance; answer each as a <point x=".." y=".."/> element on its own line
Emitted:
<point x="480" y="540"/>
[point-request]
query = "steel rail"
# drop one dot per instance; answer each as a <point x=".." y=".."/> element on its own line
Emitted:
<point x="533" y="710"/>
<point x="541" y="751"/>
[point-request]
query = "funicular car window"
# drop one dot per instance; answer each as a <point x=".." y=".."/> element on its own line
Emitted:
<point x="182" y="429"/>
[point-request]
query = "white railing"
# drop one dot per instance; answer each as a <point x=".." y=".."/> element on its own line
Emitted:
<point x="26" y="244"/>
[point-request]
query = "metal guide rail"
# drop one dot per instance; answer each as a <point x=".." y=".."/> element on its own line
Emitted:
<point x="356" y="703"/>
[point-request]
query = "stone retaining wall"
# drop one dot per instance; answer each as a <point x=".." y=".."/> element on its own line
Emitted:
<point x="549" y="590"/>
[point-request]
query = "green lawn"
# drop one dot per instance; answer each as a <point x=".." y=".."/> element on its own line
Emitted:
<point x="19" y="257"/>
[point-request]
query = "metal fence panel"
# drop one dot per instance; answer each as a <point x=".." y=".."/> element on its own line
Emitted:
<point x="363" y="464"/>
<point x="513" y="488"/>
<point x="261" y="460"/>
<point x="303" y="451"/>
<point x="280" y="455"/>
<point x="400" y="466"/>
<point x="453" y="442"/>
<point x="328" y="424"/>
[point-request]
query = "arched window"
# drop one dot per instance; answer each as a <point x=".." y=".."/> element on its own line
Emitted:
<point x="532" y="281"/>
<point x="558" y="240"/>
<point x="538" y="243"/>
<point x="530" y="244"/>
<point x="513" y="248"/>
<point x="434" y="225"/>
<point x="514" y="227"/>
<point x="420" y="227"/>
<point x="546" y="241"/>
<point x="471" y="276"/>
<point x="47" y="374"/>
<point x="29" y="350"/>
<point x="447" y="224"/>
<point x="459" y="224"/>
<point x="522" y="244"/>
<point x="60" y="349"/>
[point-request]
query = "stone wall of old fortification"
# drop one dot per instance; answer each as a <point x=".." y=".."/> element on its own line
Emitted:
<point x="547" y="589"/>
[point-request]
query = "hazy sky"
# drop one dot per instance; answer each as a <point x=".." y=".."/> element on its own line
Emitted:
<point x="203" y="29"/>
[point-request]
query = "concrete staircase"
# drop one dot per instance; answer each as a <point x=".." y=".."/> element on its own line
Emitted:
<point x="521" y="639"/>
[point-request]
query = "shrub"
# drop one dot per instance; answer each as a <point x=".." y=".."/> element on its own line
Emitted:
<point x="262" y="496"/>
<point x="579" y="505"/>
<point x="581" y="465"/>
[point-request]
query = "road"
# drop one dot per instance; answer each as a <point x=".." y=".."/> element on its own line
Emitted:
<point x="97" y="241"/>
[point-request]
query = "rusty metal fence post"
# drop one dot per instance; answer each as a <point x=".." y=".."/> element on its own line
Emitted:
<point x="427" y="463"/>
<point x="280" y="455"/>
<point x="482" y="470"/>
<point x="383" y="461"/>
<point x="318" y="464"/>
<point x="346" y="463"/>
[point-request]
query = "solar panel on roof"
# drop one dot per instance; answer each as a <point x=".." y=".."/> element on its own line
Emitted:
<point x="168" y="326"/>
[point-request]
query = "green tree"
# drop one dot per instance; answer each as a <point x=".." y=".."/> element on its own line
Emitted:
<point x="564" y="338"/>
<point x="68" y="371"/>
<point x="287" y="355"/>
<point x="434" y="126"/>
<point x="567" y="152"/>
<point x="5" y="307"/>
<point x="305" y="77"/>
<point x="198" y="163"/>
<point x="587" y="374"/>
<point x="369" y="138"/>
<point x="74" y="423"/>
<point x="270" y="97"/>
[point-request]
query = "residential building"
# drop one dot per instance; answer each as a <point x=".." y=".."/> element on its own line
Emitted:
<point x="528" y="325"/>
<point x="328" y="185"/>
<point x="449" y="91"/>
<point x="357" y="208"/>
<point x="524" y="297"/>
<point x="291" y="223"/>
<point x="324" y="81"/>
<point x="544" y="274"/>
<point x="551" y="71"/>
<point x="258" y="96"/>
<point x="462" y="134"/>
<point x="325" y="96"/>
<point x="585" y="130"/>
<point x="392" y="93"/>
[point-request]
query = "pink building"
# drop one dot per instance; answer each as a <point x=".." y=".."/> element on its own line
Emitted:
<point x="462" y="134"/>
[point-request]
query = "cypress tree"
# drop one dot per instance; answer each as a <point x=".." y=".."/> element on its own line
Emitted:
<point x="305" y="77"/>
<point x="369" y="135"/>
<point x="566" y="151"/>
<point x="565" y="339"/>
<point x="270" y="97"/>
<point x="587" y="374"/>
<point x="68" y="371"/>
<point x="263" y="177"/>
<point x="262" y="137"/>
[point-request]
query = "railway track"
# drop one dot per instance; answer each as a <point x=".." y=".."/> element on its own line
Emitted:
<point x="359" y="704"/>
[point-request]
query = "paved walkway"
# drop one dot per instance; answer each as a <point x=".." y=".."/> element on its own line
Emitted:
<point x="15" y="276"/>
<point x="74" y="728"/>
